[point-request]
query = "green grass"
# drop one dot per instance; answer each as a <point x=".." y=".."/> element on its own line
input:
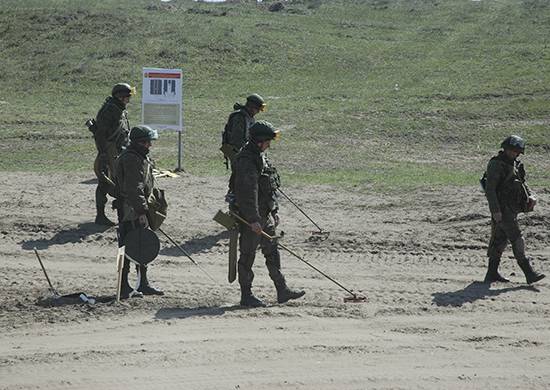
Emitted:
<point x="373" y="94"/>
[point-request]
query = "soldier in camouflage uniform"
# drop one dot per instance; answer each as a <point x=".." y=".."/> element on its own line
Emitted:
<point x="255" y="184"/>
<point x="235" y="133"/>
<point x="508" y="194"/>
<point x="111" y="136"/>
<point x="134" y="184"/>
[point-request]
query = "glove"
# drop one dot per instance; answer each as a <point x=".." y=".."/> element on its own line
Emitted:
<point x="276" y="219"/>
<point x="531" y="202"/>
<point x="143" y="221"/>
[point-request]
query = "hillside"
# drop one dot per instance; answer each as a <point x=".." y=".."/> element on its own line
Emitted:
<point x="377" y="93"/>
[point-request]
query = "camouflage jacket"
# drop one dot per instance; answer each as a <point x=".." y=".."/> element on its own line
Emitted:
<point x="256" y="183"/>
<point x="134" y="182"/>
<point x="506" y="188"/>
<point x="236" y="130"/>
<point x="113" y="127"/>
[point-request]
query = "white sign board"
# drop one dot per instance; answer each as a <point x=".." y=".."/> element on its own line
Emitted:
<point x="161" y="101"/>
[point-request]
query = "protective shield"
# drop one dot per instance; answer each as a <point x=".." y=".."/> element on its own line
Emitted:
<point x="142" y="245"/>
<point x="233" y="247"/>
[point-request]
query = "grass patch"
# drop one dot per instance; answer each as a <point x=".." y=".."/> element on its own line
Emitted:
<point x="386" y="94"/>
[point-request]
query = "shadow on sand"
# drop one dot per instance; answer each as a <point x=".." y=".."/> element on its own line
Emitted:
<point x="89" y="181"/>
<point x="473" y="292"/>
<point x="193" y="246"/>
<point x="186" y="312"/>
<point x="66" y="236"/>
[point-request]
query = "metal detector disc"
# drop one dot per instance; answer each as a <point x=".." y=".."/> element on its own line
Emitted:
<point x="355" y="299"/>
<point x="142" y="245"/>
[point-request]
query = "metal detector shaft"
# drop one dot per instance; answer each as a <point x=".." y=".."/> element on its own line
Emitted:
<point x="44" y="270"/>
<point x="186" y="254"/>
<point x="300" y="210"/>
<point x="294" y="254"/>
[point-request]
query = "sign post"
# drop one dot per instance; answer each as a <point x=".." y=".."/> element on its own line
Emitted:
<point x="162" y="102"/>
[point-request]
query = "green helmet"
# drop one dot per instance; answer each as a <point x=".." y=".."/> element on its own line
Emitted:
<point x="123" y="89"/>
<point x="143" y="133"/>
<point x="513" y="142"/>
<point x="257" y="101"/>
<point x="263" y="131"/>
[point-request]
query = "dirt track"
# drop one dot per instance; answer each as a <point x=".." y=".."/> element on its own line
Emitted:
<point x="417" y="256"/>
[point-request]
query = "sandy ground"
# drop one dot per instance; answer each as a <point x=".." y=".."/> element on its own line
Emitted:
<point x="418" y="257"/>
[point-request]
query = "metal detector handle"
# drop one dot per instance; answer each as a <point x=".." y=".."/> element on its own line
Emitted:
<point x="300" y="210"/>
<point x="183" y="250"/>
<point x="44" y="270"/>
<point x="294" y="254"/>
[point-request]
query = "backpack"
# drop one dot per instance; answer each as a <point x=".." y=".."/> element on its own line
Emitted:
<point x="237" y="111"/>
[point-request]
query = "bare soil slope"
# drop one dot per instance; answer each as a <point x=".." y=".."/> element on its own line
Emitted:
<point x="418" y="257"/>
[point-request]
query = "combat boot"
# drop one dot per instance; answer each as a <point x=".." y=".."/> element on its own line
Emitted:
<point x="285" y="294"/>
<point x="518" y="247"/>
<point x="531" y="276"/>
<point x="249" y="300"/>
<point x="101" y="219"/>
<point x="492" y="272"/>
<point x="144" y="287"/>
<point x="126" y="291"/>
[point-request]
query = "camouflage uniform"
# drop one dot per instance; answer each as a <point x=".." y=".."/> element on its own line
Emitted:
<point x="507" y="193"/>
<point x="134" y="183"/>
<point x="256" y="182"/>
<point x="111" y="137"/>
<point x="236" y="135"/>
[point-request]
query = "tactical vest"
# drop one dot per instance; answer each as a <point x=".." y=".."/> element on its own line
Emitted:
<point x="119" y="137"/>
<point x="511" y="191"/>
<point x="268" y="184"/>
<point x="249" y="121"/>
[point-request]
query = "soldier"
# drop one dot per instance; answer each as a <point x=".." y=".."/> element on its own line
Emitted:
<point x="508" y="194"/>
<point x="111" y="136"/>
<point x="235" y="133"/>
<point x="255" y="184"/>
<point x="134" y="185"/>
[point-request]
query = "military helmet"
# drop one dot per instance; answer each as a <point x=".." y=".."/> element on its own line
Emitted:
<point x="123" y="89"/>
<point x="263" y="131"/>
<point x="513" y="142"/>
<point x="143" y="133"/>
<point x="256" y="101"/>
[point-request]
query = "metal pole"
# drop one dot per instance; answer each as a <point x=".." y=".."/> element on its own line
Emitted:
<point x="299" y="209"/>
<point x="295" y="255"/>
<point x="52" y="289"/>
<point x="180" y="152"/>
<point x="186" y="254"/>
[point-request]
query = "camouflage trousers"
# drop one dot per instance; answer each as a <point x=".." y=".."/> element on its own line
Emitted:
<point x="248" y="244"/>
<point x="502" y="232"/>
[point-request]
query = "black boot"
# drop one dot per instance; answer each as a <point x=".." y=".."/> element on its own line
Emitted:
<point x="144" y="286"/>
<point x="249" y="300"/>
<point x="492" y="272"/>
<point x="530" y="275"/>
<point x="518" y="247"/>
<point x="126" y="291"/>
<point x="101" y="219"/>
<point x="285" y="294"/>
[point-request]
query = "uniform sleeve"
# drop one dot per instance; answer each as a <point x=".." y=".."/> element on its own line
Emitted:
<point x="107" y="123"/>
<point x="134" y="184"/>
<point x="523" y="177"/>
<point x="246" y="190"/>
<point x="237" y="131"/>
<point x="494" y="176"/>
